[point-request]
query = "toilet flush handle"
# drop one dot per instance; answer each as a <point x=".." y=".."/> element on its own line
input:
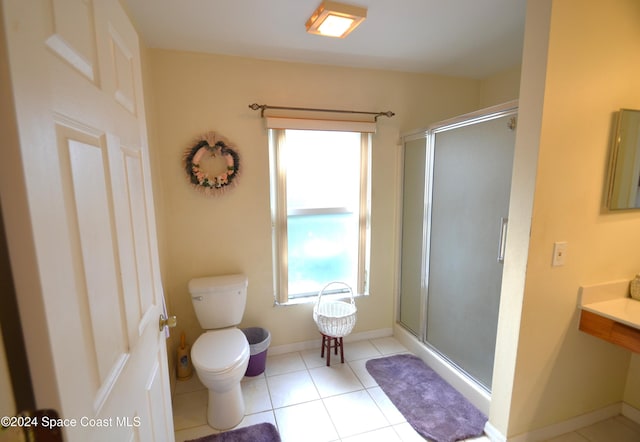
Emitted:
<point x="170" y="322"/>
<point x="197" y="298"/>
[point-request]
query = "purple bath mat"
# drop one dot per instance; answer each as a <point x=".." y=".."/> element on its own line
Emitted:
<point x="264" y="432"/>
<point x="433" y="407"/>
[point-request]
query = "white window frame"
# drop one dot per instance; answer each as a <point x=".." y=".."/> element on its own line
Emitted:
<point x="278" y="193"/>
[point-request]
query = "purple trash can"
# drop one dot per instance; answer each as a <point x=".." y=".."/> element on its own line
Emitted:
<point x="259" y="340"/>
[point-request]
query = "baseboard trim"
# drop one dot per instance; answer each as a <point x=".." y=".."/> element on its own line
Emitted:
<point x="493" y="434"/>
<point x="315" y="344"/>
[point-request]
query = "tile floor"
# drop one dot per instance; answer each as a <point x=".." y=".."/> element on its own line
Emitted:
<point x="308" y="401"/>
<point x="615" y="429"/>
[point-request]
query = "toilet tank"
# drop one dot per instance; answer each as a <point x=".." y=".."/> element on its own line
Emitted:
<point x="219" y="301"/>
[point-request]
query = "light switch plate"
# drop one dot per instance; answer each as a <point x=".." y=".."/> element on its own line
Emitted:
<point x="559" y="253"/>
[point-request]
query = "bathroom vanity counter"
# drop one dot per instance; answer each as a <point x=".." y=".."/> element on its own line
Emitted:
<point x="623" y="310"/>
<point x="607" y="312"/>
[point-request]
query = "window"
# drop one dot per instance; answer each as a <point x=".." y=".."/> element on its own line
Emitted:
<point x="320" y="210"/>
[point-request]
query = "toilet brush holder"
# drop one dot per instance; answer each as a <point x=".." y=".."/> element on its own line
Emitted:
<point x="185" y="369"/>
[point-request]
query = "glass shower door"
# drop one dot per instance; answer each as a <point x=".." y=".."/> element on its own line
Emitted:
<point x="470" y="187"/>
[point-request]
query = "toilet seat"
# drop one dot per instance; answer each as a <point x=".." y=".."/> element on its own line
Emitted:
<point x="220" y="351"/>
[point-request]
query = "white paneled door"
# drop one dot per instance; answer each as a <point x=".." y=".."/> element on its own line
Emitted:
<point x="77" y="200"/>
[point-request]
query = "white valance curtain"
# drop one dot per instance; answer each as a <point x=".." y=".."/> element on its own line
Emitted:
<point x="313" y="124"/>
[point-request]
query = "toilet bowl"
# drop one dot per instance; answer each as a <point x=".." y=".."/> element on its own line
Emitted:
<point x="220" y="358"/>
<point x="221" y="354"/>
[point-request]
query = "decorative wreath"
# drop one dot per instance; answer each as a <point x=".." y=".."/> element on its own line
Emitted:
<point x="198" y="177"/>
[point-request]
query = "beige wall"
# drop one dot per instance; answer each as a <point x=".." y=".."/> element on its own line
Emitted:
<point x="560" y="372"/>
<point x="200" y="236"/>
<point x="499" y="88"/>
<point x="632" y="390"/>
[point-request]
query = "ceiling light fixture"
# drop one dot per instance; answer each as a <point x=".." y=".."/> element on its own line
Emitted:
<point x="333" y="19"/>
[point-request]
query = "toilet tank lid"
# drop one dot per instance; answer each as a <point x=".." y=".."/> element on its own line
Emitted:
<point x="217" y="283"/>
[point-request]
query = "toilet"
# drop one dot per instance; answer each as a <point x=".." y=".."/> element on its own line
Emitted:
<point x="221" y="354"/>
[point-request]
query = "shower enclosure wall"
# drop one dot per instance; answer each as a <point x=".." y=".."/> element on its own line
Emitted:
<point x="455" y="203"/>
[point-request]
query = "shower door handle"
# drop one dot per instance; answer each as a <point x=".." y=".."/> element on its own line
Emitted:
<point x="502" y="243"/>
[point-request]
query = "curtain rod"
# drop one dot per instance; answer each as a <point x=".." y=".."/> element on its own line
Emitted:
<point x="263" y="107"/>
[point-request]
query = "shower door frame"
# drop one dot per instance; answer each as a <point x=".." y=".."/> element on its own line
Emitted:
<point x="426" y="189"/>
<point x="429" y="133"/>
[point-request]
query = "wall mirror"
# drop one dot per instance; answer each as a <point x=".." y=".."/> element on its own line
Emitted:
<point x="624" y="181"/>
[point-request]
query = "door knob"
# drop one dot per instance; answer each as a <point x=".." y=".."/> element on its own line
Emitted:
<point x="170" y="322"/>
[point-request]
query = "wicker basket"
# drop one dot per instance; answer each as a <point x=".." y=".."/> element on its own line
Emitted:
<point x="335" y="318"/>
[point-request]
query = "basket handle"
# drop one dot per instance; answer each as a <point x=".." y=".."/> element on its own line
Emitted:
<point x="336" y="282"/>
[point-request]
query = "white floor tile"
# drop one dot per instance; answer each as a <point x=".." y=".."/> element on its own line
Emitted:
<point x="388" y="345"/>
<point x="361" y="372"/>
<point x="257" y="418"/>
<point x="386" y="434"/>
<point x="386" y="406"/>
<point x="407" y="433"/>
<point x="190" y="409"/>
<point x="355" y="413"/>
<point x="190" y="385"/>
<point x="337" y="379"/>
<point x="360" y="350"/>
<point x="284" y="363"/>
<point x="609" y="430"/>
<point x="629" y="423"/>
<point x="569" y="437"/>
<point x="256" y="395"/>
<point x="194" y="433"/>
<point x="292" y="388"/>
<point x="250" y="378"/>
<point x="307" y="422"/>
<point x="312" y="358"/>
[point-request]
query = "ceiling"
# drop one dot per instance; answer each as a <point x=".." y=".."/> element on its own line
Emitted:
<point x="462" y="38"/>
